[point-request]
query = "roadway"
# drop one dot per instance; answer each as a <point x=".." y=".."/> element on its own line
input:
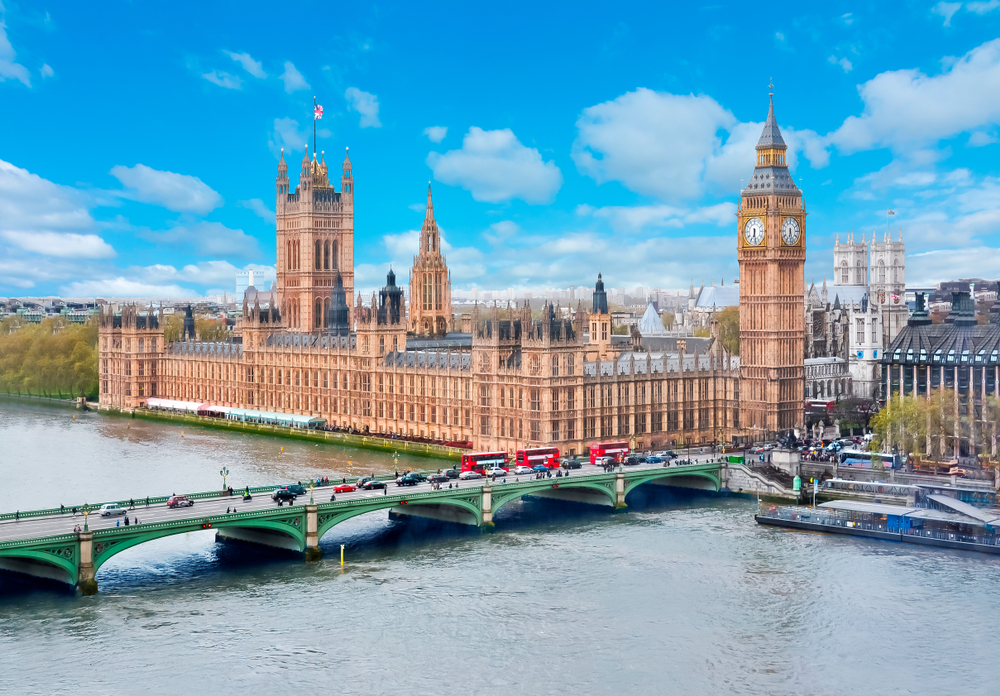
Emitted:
<point x="51" y="525"/>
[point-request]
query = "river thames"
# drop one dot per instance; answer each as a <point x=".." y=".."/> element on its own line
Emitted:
<point x="684" y="594"/>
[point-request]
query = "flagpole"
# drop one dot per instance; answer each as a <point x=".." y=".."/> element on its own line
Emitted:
<point x="314" y="140"/>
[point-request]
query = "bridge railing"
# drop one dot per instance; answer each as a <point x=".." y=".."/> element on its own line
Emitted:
<point x="162" y="499"/>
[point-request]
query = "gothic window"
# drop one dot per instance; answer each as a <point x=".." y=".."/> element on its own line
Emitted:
<point x="881" y="271"/>
<point x="555" y="431"/>
<point x="859" y="325"/>
<point x="318" y="318"/>
<point x="555" y="400"/>
<point x="570" y="399"/>
<point x="535" y="400"/>
<point x="861" y="280"/>
<point x="318" y="256"/>
<point x="844" y="273"/>
<point x="333" y="254"/>
<point x="555" y="364"/>
<point x="875" y="331"/>
<point x="570" y="365"/>
<point x="326" y="256"/>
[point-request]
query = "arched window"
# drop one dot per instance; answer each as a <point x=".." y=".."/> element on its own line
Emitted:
<point x="844" y="273"/>
<point x="333" y="254"/>
<point x="318" y="256"/>
<point x="326" y="311"/>
<point x="318" y="317"/>
<point x="326" y="256"/>
<point x="861" y="280"/>
<point x="881" y="271"/>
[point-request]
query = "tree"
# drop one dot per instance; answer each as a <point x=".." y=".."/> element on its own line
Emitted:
<point x="210" y="329"/>
<point x="902" y="423"/>
<point x="51" y="358"/>
<point x="702" y="332"/>
<point x="668" y="320"/>
<point x="173" y="326"/>
<point x="620" y="330"/>
<point x="729" y="329"/>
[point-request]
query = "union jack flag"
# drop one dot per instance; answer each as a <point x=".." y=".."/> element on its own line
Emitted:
<point x="317" y="112"/>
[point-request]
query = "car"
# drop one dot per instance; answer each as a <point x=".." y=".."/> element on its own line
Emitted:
<point x="632" y="461"/>
<point x="572" y="464"/>
<point x="469" y="475"/>
<point x="282" y="494"/>
<point x="496" y="471"/>
<point x="177" y="501"/>
<point x="344" y="488"/>
<point x="407" y="480"/>
<point x="670" y="453"/>
<point x="522" y="469"/>
<point x="654" y="460"/>
<point x="451" y="473"/>
<point x="362" y="481"/>
<point x="606" y="461"/>
<point x="540" y="468"/>
<point x="437" y="478"/>
<point x="372" y="484"/>
<point x="417" y="475"/>
<point x="296" y="488"/>
<point x="113" y="510"/>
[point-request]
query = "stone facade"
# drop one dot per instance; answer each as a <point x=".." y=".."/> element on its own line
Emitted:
<point x="515" y="380"/>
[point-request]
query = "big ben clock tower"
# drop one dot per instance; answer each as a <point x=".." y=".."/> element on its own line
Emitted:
<point x="772" y="252"/>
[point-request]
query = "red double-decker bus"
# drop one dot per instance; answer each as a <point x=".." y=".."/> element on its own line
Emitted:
<point x="484" y="461"/>
<point x="619" y="450"/>
<point x="546" y="456"/>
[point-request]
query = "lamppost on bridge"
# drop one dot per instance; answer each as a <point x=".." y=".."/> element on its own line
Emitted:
<point x="86" y="513"/>
<point x="311" y="487"/>
<point x="224" y="473"/>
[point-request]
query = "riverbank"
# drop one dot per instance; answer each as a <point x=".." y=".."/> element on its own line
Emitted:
<point x="51" y="401"/>
<point x="369" y="442"/>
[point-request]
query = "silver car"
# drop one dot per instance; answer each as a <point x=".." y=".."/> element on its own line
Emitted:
<point x="113" y="510"/>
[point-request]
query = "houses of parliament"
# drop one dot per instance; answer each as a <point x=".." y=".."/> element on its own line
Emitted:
<point x="513" y="378"/>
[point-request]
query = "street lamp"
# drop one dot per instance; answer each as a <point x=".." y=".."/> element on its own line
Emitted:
<point x="224" y="472"/>
<point x="86" y="513"/>
<point x="311" y="487"/>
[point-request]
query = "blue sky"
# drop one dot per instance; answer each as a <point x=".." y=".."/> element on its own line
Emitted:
<point x="140" y="141"/>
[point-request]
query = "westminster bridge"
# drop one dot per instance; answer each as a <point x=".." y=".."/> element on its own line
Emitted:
<point x="57" y="545"/>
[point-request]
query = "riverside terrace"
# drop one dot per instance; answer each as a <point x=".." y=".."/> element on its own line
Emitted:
<point x="41" y="544"/>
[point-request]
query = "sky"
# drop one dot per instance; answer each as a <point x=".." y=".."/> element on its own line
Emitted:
<point x="140" y="140"/>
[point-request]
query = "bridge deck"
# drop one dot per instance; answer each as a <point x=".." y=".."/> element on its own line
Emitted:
<point x="34" y="526"/>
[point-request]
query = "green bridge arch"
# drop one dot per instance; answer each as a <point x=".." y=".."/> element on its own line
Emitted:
<point x="633" y="482"/>
<point x="501" y="497"/>
<point x="107" y="545"/>
<point x="332" y="514"/>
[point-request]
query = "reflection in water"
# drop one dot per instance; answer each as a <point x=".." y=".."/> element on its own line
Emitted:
<point x="684" y="593"/>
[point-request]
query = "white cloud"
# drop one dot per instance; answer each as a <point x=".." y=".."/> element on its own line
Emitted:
<point x="494" y="166"/>
<point x="670" y="146"/>
<point x="204" y="273"/>
<point x="906" y="108"/>
<point x="288" y="135"/>
<point x="47" y="71"/>
<point x="946" y="10"/>
<point x="177" y="192"/>
<point x="982" y="8"/>
<point x="123" y="287"/>
<point x="9" y="68"/>
<point x="654" y="143"/>
<point x="260" y="209"/>
<point x="293" y="78"/>
<point x="207" y="239"/>
<point x="252" y="66"/>
<point x="63" y="244"/>
<point x="436" y="133"/>
<point x="223" y="79"/>
<point x="365" y="104"/>
<point x="500" y="232"/>
<point x="29" y="202"/>
<point x="981" y="138"/>
<point x="636" y="218"/>
<point x="845" y="64"/>
<point x="932" y="267"/>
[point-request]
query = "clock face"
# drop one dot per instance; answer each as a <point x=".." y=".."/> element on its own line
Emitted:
<point x="790" y="231"/>
<point x="753" y="231"/>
